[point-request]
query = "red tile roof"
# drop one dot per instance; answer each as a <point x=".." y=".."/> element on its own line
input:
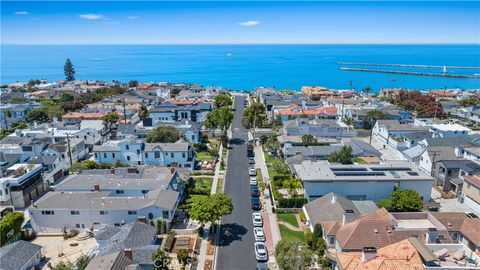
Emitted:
<point x="297" y="110"/>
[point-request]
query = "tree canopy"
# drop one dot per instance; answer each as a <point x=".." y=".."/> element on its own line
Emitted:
<point x="309" y="139"/>
<point x="210" y="208"/>
<point x="372" y="117"/>
<point x="133" y="83"/>
<point x="143" y="112"/>
<point x="470" y="101"/>
<point x="292" y="255"/>
<point x="344" y="155"/>
<point x="223" y="100"/>
<point x="69" y="71"/>
<point x="403" y="200"/>
<point x="39" y="115"/>
<point x="11" y="221"/>
<point x="254" y="115"/>
<point x="163" y="134"/>
<point x="111" y="118"/>
<point x="160" y="259"/>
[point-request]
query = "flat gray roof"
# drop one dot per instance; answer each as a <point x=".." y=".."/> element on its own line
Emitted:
<point x="318" y="171"/>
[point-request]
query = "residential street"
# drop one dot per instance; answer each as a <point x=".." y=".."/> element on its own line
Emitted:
<point x="236" y="250"/>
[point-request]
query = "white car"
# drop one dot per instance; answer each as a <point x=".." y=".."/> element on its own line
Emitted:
<point x="257" y="219"/>
<point x="259" y="234"/>
<point x="252" y="172"/>
<point x="261" y="252"/>
<point x="253" y="181"/>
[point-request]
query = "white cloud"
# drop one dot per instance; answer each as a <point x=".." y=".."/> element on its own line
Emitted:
<point x="92" y="17"/>
<point x="21" y="13"/>
<point x="133" y="17"/>
<point x="249" y="23"/>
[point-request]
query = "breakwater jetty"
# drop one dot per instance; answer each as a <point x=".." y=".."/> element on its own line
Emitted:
<point x="447" y="75"/>
<point x="405" y="65"/>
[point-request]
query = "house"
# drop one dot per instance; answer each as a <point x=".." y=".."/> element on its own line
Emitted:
<point x="21" y="255"/>
<point x="303" y="111"/>
<point x="410" y="253"/>
<point x="472" y="153"/>
<point x="389" y="133"/>
<point x="449" y="174"/>
<point x="318" y="127"/>
<point x="27" y="146"/>
<point x="316" y="92"/>
<point x="471" y="192"/>
<point x="433" y="154"/>
<point x="190" y="130"/>
<point x="381" y="228"/>
<point x="449" y="130"/>
<point x="360" y="114"/>
<point x="361" y="182"/>
<point x="129" y="245"/>
<point x="91" y="209"/>
<point x="359" y="149"/>
<point x="333" y="207"/>
<point x="75" y="118"/>
<point x="11" y="113"/>
<point x="174" y="110"/>
<point x="20" y="184"/>
<point x="461" y="228"/>
<point x="136" y="152"/>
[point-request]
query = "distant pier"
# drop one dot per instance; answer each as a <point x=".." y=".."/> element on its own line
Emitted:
<point x="406" y="65"/>
<point x="458" y="76"/>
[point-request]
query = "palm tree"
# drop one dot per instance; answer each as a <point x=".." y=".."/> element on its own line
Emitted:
<point x="349" y="121"/>
<point x="254" y="116"/>
<point x="366" y="90"/>
<point x="7" y="113"/>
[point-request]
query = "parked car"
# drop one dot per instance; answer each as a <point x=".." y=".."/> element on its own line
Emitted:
<point x="259" y="234"/>
<point x="257" y="219"/>
<point x="262" y="266"/>
<point x="471" y="215"/>
<point x="251" y="160"/>
<point x="256" y="205"/>
<point x="253" y="180"/>
<point x="252" y="172"/>
<point x="261" y="252"/>
<point x="254" y="192"/>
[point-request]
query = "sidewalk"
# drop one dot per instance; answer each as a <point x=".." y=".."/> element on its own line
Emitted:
<point x="270" y="225"/>
<point x="206" y="258"/>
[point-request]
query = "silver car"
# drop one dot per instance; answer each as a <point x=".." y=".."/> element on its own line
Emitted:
<point x="257" y="219"/>
<point x="259" y="234"/>
<point x="261" y="252"/>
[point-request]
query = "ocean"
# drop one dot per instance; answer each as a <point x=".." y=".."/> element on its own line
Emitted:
<point x="243" y="67"/>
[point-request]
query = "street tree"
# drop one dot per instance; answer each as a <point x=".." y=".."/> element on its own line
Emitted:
<point x="292" y="255"/>
<point x="7" y="113"/>
<point x="160" y="259"/>
<point x="344" y="155"/>
<point x="254" y="116"/>
<point x="143" y="112"/>
<point x="210" y="208"/>
<point x="223" y="100"/>
<point x="210" y="122"/>
<point x="372" y="117"/>
<point x="69" y="70"/>
<point x="163" y="134"/>
<point x="133" y="83"/>
<point x="309" y="139"/>
<point x="403" y="200"/>
<point x="349" y="121"/>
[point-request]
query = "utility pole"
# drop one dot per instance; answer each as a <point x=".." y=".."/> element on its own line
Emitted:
<point x="69" y="149"/>
<point x="434" y="156"/>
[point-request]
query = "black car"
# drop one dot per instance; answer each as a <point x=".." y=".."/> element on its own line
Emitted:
<point x="254" y="191"/>
<point x="256" y="203"/>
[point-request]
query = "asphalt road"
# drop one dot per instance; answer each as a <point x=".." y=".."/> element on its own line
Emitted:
<point x="236" y="250"/>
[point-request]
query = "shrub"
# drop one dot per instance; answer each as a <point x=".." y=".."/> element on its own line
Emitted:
<point x="200" y="147"/>
<point x="302" y="216"/>
<point x="295" y="202"/>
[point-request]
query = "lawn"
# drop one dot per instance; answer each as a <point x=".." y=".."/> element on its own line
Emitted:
<point x="204" y="156"/>
<point x="288" y="218"/>
<point x="220" y="185"/>
<point x="202" y="185"/>
<point x="289" y="234"/>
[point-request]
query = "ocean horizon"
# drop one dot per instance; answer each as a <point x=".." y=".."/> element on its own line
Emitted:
<point x="246" y="66"/>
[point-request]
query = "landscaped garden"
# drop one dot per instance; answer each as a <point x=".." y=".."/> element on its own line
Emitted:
<point x="288" y="234"/>
<point x="288" y="218"/>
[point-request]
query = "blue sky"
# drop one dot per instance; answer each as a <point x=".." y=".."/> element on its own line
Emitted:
<point x="123" y="22"/>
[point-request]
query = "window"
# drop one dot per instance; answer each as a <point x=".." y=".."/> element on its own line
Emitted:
<point x="138" y="151"/>
<point x="144" y="191"/>
<point x="332" y="240"/>
<point x="171" y="155"/>
<point x="127" y="147"/>
<point x="116" y="224"/>
<point x="103" y="212"/>
<point x="96" y="155"/>
<point x="119" y="191"/>
<point x="104" y="155"/>
<point x="74" y="212"/>
<point x="128" y="158"/>
<point x="193" y="137"/>
<point x="183" y="155"/>
<point x="85" y="137"/>
<point x="139" y="163"/>
<point x="46" y="212"/>
<point x="77" y="226"/>
<point x="146" y="155"/>
<point x="113" y="155"/>
<point x="165" y="214"/>
<point x="132" y="212"/>
<point x="1" y="192"/>
<point x="157" y="154"/>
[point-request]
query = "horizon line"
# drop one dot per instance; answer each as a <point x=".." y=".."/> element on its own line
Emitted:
<point x="210" y="44"/>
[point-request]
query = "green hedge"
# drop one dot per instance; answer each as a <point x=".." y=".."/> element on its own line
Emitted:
<point x="295" y="202"/>
<point x="280" y="178"/>
<point x="169" y="241"/>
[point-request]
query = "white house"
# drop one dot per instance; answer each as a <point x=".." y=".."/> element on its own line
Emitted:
<point x="136" y="152"/>
<point x="390" y="133"/>
<point x="449" y="130"/>
<point x="20" y="184"/>
<point x="361" y="182"/>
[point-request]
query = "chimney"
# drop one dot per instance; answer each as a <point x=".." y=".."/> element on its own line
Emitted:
<point x="96" y="187"/>
<point x="128" y="253"/>
<point x="172" y="170"/>
<point x="348" y="216"/>
<point x="368" y="253"/>
<point x="142" y="219"/>
<point x="431" y="236"/>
